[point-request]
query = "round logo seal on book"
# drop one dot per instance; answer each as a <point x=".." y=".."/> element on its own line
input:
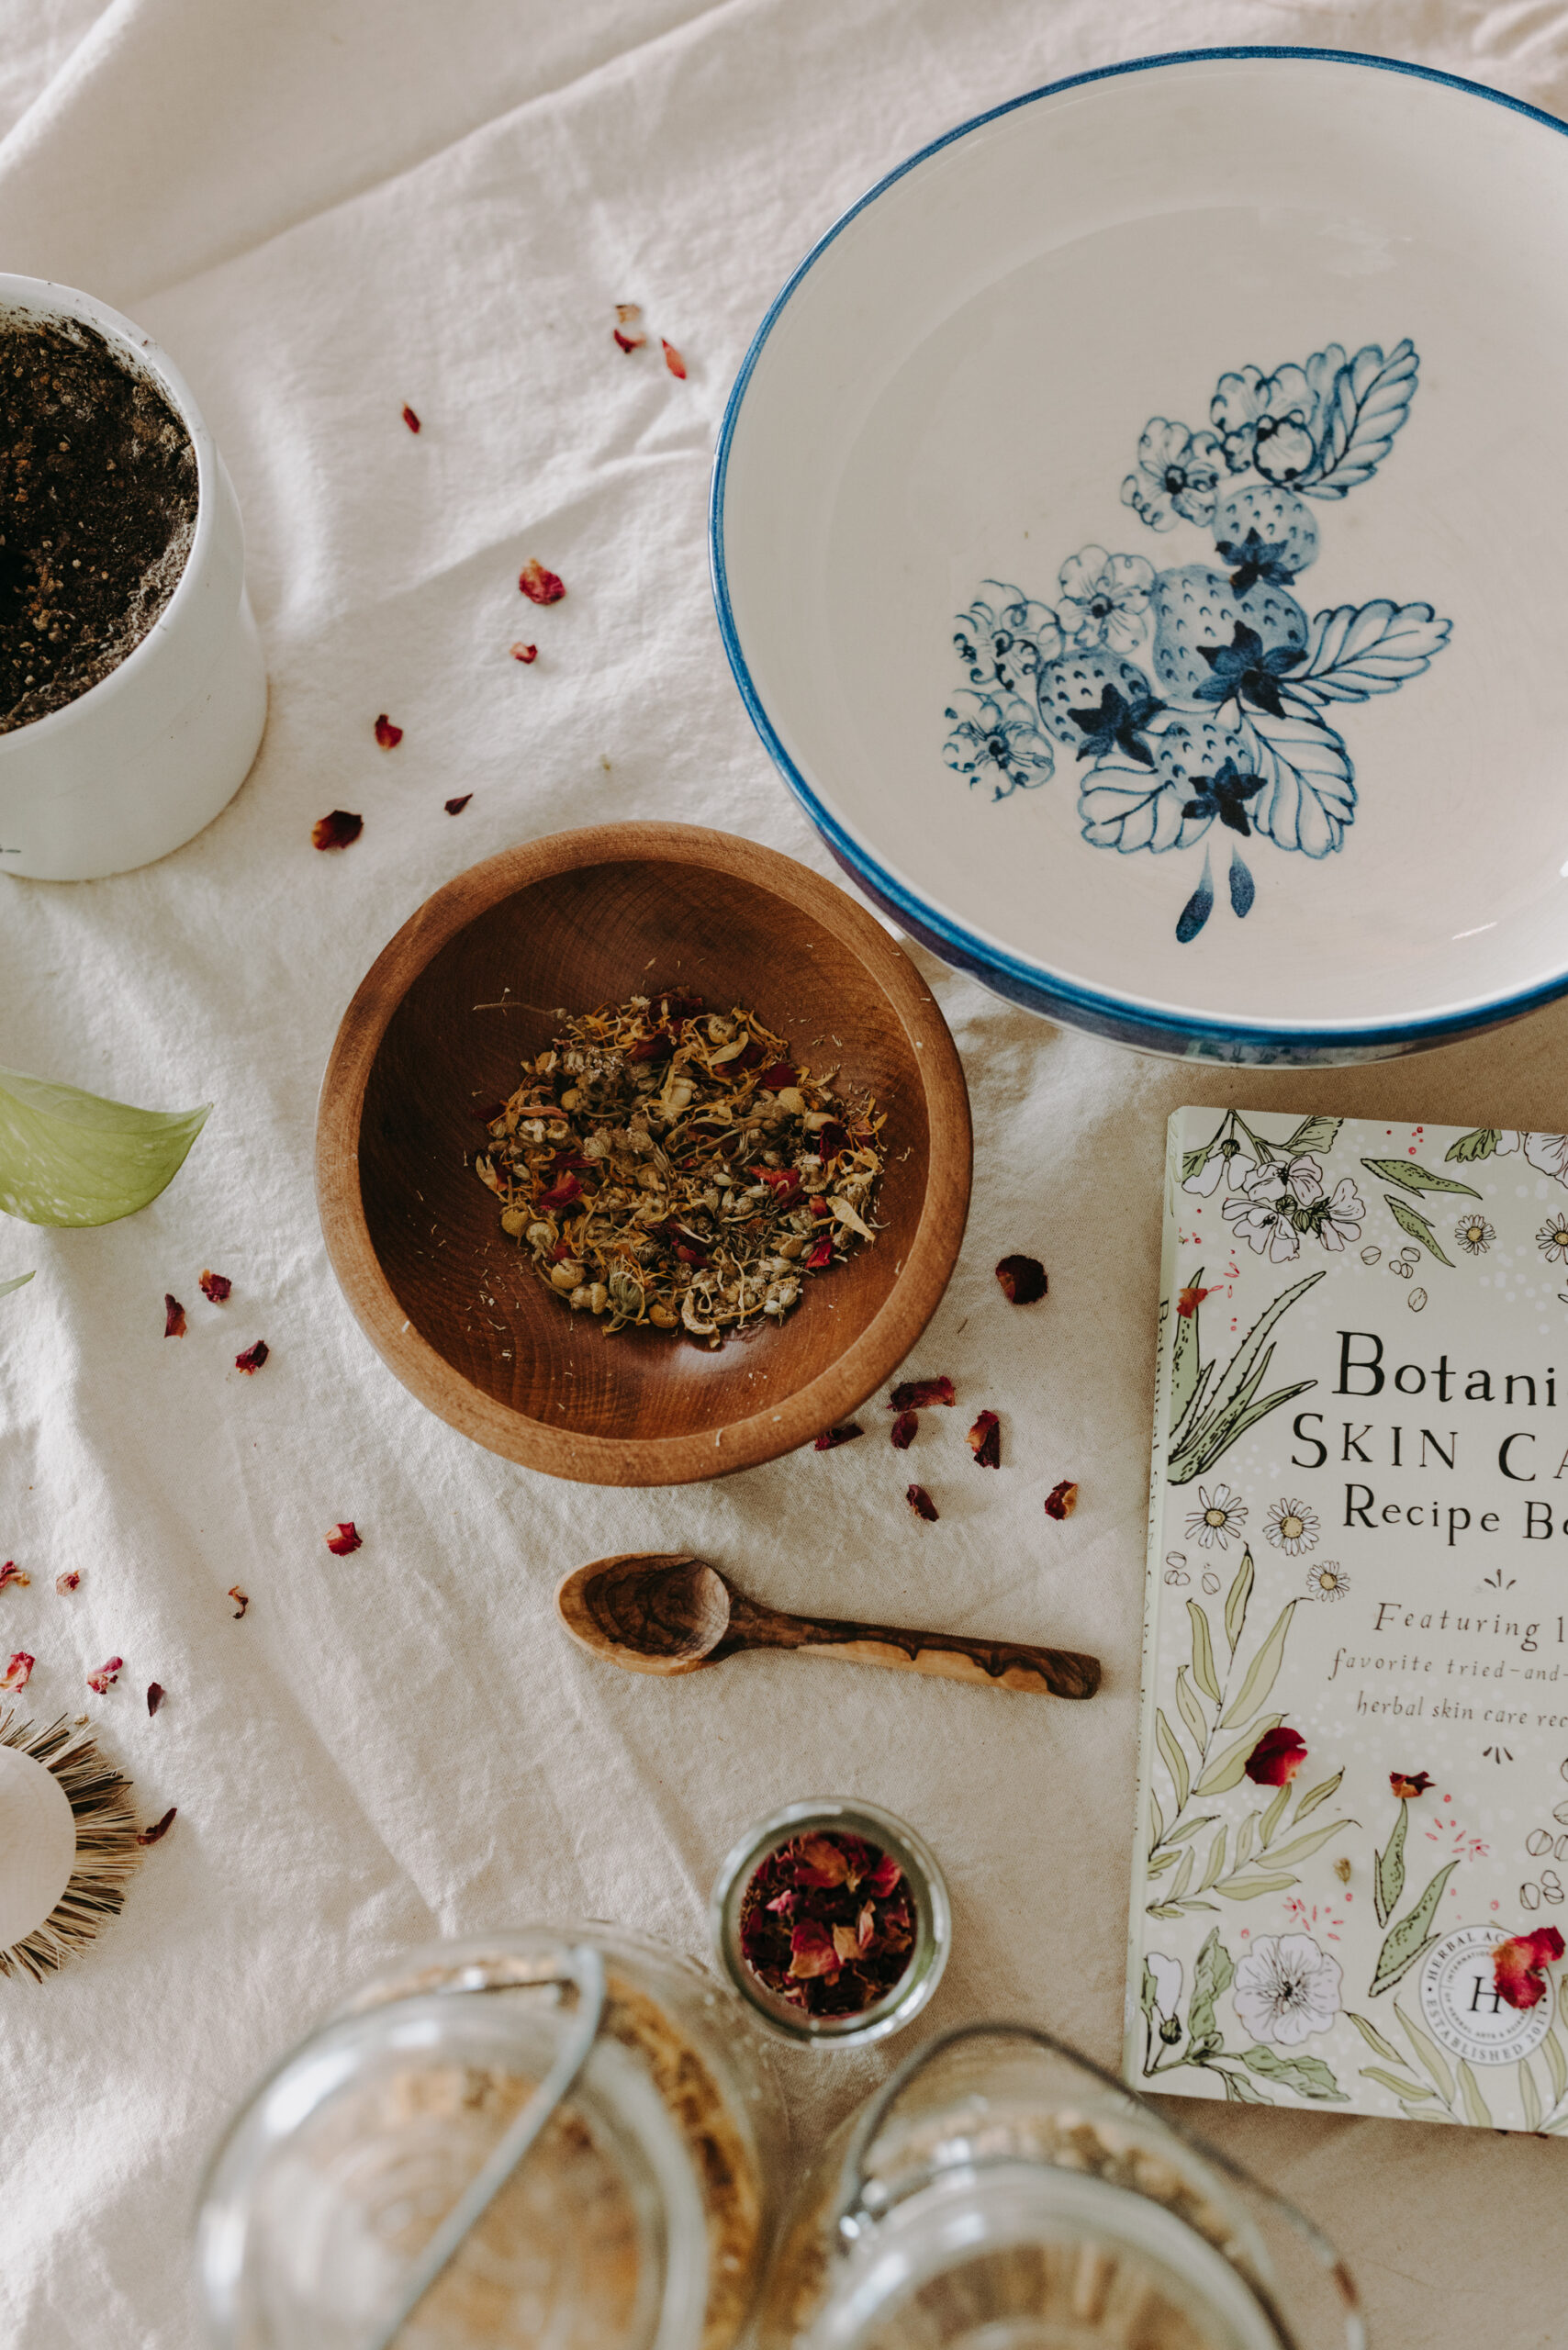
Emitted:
<point x="1464" y="2009"/>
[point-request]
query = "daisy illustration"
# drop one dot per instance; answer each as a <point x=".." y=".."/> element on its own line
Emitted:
<point x="1286" y="1987"/>
<point x="1217" y="1517"/>
<point x="1328" y="1580"/>
<point x="1474" y="1235"/>
<point x="1553" y="1239"/>
<point x="1291" y="1527"/>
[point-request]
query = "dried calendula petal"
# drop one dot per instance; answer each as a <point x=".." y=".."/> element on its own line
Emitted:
<point x="1062" y="1500"/>
<point x="159" y="1829"/>
<point x="1022" y="1279"/>
<point x="903" y="1430"/>
<point x="921" y="1502"/>
<point x="173" y="1317"/>
<point x="343" y="1539"/>
<point x="539" y="586"/>
<point x="985" y="1440"/>
<point x="336" y="831"/>
<point x="216" y="1288"/>
<point x="832" y="1438"/>
<point x="918" y="1394"/>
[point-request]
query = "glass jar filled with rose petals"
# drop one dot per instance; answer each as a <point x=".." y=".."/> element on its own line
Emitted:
<point x="831" y="1919"/>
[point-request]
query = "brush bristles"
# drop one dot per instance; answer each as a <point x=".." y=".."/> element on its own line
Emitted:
<point x="106" y="1848"/>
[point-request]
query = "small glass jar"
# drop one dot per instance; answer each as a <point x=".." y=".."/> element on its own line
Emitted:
<point x="932" y="1916"/>
<point x="1001" y="2193"/>
<point x="529" y="2137"/>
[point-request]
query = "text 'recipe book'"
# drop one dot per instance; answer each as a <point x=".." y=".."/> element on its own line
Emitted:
<point x="1352" y="1843"/>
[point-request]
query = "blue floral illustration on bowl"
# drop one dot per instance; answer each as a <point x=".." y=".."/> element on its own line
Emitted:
<point x="1198" y="694"/>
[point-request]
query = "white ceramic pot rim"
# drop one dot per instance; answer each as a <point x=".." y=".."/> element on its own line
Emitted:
<point x="43" y="299"/>
<point x="1020" y="977"/>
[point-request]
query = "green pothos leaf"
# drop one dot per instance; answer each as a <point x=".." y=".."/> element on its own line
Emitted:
<point x="1410" y="1220"/>
<point x="1308" y="2076"/>
<point x="69" y="1157"/>
<point x="18" y="1280"/>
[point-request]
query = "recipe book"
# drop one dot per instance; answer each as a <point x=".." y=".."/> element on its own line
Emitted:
<point x="1353" y="1764"/>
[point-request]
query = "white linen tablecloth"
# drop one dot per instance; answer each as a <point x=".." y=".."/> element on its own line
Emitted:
<point x="324" y="208"/>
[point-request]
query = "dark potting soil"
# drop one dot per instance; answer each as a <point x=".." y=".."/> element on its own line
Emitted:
<point x="97" y="509"/>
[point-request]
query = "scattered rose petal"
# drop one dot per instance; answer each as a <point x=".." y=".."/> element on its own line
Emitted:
<point x="1022" y="1279"/>
<point x="241" y="1600"/>
<point x="812" y="1951"/>
<point x="1407" y="1783"/>
<point x="11" y="1572"/>
<point x="561" y="1194"/>
<point x="337" y="830"/>
<point x="251" y="1361"/>
<point x="1277" y="1757"/>
<point x="155" y="1696"/>
<point x="1189" y="1300"/>
<point x="916" y="1394"/>
<point x="18" y="1673"/>
<point x="902" y="1432"/>
<point x="985" y="1440"/>
<point x="819" y="1253"/>
<point x="1517" y="1966"/>
<point x="922" y="1504"/>
<point x="173" y="1317"/>
<point x="159" y="1830"/>
<point x="883" y="1877"/>
<point x="782" y="1073"/>
<point x="492" y="1111"/>
<point x="673" y="360"/>
<point x="822" y="1860"/>
<point x="67" y="1581"/>
<point x="386" y="735"/>
<point x="629" y="342"/>
<point x="344" y="1539"/>
<point x="844" y="1435"/>
<point x="216" y="1287"/>
<point x="525" y="653"/>
<point x="539" y="586"/>
<point x="455" y="807"/>
<point x="846" y="1942"/>
<point x="106" y="1676"/>
<point x="1062" y="1500"/>
<point x="410" y="419"/>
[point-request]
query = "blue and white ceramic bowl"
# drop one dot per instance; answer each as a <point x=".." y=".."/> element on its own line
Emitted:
<point x="1137" y="535"/>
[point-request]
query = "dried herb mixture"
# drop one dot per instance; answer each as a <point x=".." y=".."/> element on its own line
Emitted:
<point x="670" y="1167"/>
<point x="827" y="1921"/>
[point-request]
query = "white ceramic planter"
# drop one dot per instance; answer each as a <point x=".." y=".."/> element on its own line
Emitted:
<point x="139" y="763"/>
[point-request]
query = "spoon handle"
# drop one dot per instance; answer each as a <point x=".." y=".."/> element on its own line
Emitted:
<point x="1006" y="1665"/>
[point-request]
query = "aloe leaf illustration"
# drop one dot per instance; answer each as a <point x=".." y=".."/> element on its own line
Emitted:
<point x="1219" y="1440"/>
<point x="1203" y="1652"/>
<point x="69" y="1157"/>
<point x="1191" y="1713"/>
<point x="1412" y="1177"/>
<point x="1479" y="1144"/>
<point x="1388" y="1878"/>
<point x="1235" y="1601"/>
<point x="1263" y="1673"/>
<point x="1234" y="1406"/>
<point x="1185" y="1357"/>
<point x="1169" y="1746"/>
<point x="1225" y="1770"/>
<point x="1194" y="1404"/>
<point x="1212" y="1975"/>
<point x="1246" y="1354"/>
<point x="1375" y="2039"/>
<point x="1314" y="1797"/>
<point x="1308" y="2076"/>
<point x="1431" y="2057"/>
<point x="1407" y="1942"/>
<point x="1410" y="1220"/>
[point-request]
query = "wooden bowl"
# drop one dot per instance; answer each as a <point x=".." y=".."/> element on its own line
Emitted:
<point x="434" y="1036"/>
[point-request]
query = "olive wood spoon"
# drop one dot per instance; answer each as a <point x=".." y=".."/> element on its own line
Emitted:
<point x="666" y="1612"/>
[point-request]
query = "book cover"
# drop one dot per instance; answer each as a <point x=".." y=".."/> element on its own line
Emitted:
<point x="1352" y="1839"/>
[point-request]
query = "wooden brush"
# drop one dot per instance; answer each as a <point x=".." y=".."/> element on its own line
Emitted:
<point x="77" y="1867"/>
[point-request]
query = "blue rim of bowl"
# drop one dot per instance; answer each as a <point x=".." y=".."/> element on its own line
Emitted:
<point x="1014" y="975"/>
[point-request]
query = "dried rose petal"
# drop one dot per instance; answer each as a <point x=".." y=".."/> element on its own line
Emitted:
<point x="782" y="1073"/>
<point x="916" y="1394"/>
<point x="627" y="311"/>
<point x="561" y="1194"/>
<point x="251" y="1361"/>
<point x="1277" y="1757"/>
<point x="11" y="1572"/>
<point x="1407" y="1784"/>
<point x="173" y="1317"/>
<point x="883" y="1877"/>
<point x="525" y="653"/>
<point x="337" y="830"/>
<point x="1022" y="1279"/>
<point x="18" y="1673"/>
<point x="844" y="1435"/>
<point x="629" y="342"/>
<point x="673" y="360"/>
<point x="240" y="1598"/>
<point x="155" y="1696"/>
<point x="812" y="1951"/>
<point x="657" y="1047"/>
<point x="216" y="1287"/>
<point x="819" y="1253"/>
<point x="922" y="1504"/>
<point x="344" y="1539"/>
<point x="1517" y="1966"/>
<point x="539" y="586"/>
<point x="386" y="735"/>
<point x="1062" y="1500"/>
<point x="410" y="419"/>
<point x="865" y="1927"/>
<point x="106" y="1676"/>
<point x="67" y="1581"/>
<point x="822" y="1861"/>
<point x="1189" y="1300"/>
<point x="985" y="1440"/>
<point x="845" y="1943"/>
<point x="159" y="1830"/>
<point x="455" y="807"/>
<point x="903" y="1431"/>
